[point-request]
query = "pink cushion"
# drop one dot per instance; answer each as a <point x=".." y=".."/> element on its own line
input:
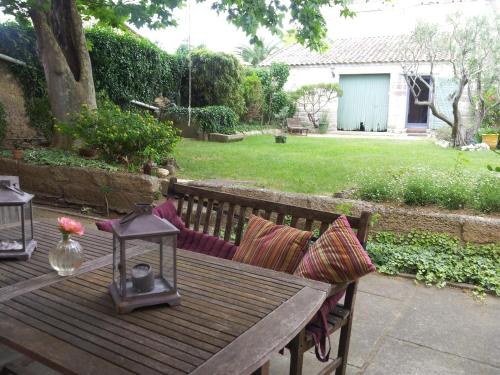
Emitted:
<point x="166" y="210"/>
<point x="203" y="243"/>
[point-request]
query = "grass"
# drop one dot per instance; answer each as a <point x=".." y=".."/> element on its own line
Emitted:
<point x="317" y="165"/>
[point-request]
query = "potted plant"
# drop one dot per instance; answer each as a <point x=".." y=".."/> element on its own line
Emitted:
<point x="324" y="123"/>
<point x="17" y="151"/>
<point x="281" y="119"/>
<point x="490" y="137"/>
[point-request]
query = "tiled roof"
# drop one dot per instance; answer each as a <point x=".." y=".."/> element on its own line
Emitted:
<point x="377" y="49"/>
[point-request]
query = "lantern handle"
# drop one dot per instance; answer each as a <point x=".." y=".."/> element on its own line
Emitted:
<point x="13" y="188"/>
<point x="139" y="210"/>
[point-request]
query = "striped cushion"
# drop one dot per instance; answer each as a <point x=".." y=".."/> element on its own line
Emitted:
<point x="268" y="245"/>
<point x="336" y="257"/>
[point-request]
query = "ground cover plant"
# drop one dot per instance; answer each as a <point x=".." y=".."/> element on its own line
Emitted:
<point x="53" y="157"/>
<point x="331" y="165"/>
<point x="437" y="259"/>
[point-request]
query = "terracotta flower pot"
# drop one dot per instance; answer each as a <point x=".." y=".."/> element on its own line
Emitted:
<point x="18" y="154"/>
<point x="491" y="140"/>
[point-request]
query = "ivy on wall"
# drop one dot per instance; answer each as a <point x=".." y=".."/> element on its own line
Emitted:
<point x="19" y="41"/>
<point x="3" y="122"/>
<point x="127" y="67"/>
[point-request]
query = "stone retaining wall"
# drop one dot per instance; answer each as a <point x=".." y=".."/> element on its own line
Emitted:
<point x="468" y="228"/>
<point x="82" y="186"/>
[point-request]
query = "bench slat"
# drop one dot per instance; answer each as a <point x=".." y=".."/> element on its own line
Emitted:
<point x="229" y="223"/>
<point x="197" y="218"/>
<point x="188" y="211"/>
<point x="218" y="219"/>
<point x="241" y="224"/>
<point x="208" y="213"/>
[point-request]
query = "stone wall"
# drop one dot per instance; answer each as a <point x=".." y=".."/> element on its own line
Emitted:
<point x="11" y="97"/>
<point x="468" y="228"/>
<point x="82" y="186"/>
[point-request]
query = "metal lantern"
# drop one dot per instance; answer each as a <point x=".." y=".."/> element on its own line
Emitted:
<point x="144" y="284"/>
<point x="16" y="220"/>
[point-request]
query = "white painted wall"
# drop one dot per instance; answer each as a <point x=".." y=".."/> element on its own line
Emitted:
<point x="398" y="90"/>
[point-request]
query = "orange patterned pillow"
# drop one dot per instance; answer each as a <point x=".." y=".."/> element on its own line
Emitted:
<point x="336" y="257"/>
<point x="278" y="247"/>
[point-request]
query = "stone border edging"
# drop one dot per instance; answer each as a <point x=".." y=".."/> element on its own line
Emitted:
<point x="83" y="186"/>
<point x="468" y="228"/>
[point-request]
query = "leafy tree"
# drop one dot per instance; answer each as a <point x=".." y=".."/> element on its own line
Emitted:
<point x="216" y="79"/>
<point x="312" y="99"/>
<point x="256" y="53"/>
<point x="472" y="49"/>
<point x="273" y="80"/>
<point x="63" y="49"/>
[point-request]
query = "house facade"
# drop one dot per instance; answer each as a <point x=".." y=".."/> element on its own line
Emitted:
<point x="375" y="94"/>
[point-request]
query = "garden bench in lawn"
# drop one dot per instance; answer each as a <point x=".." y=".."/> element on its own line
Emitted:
<point x="294" y="127"/>
<point x="225" y="215"/>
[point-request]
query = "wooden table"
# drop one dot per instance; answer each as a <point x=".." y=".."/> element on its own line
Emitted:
<point x="231" y="319"/>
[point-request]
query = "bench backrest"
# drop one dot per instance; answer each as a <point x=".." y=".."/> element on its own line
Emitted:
<point x="224" y="215"/>
<point x="293" y="122"/>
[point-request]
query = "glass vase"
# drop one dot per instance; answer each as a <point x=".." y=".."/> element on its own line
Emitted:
<point x="66" y="257"/>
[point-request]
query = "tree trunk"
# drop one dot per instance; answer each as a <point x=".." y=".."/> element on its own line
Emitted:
<point x="457" y="132"/>
<point x="63" y="52"/>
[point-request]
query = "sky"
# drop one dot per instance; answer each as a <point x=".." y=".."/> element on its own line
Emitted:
<point x="374" y="17"/>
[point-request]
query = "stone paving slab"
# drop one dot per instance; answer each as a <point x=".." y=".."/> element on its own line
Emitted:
<point x="451" y="321"/>
<point x="401" y="328"/>
<point x="403" y="358"/>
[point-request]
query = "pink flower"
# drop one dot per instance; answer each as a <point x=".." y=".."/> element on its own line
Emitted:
<point x="70" y="226"/>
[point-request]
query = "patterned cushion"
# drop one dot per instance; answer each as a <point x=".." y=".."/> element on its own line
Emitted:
<point x="336" y="257"/>
<point x="268" y="245"/>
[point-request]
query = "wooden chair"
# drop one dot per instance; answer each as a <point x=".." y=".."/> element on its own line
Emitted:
<point x="225" y="215"/>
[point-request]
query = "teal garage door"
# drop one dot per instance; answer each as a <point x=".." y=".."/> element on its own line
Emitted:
<point x="365" y="102"/>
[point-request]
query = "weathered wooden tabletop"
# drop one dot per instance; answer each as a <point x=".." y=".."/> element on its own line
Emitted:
<point x="231" y="319"/>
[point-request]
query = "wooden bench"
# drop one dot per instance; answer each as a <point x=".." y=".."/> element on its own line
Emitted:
<point x="225" y="216"/>
<point x="294" y="127"/>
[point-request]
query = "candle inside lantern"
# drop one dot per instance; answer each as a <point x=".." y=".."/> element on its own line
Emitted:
<point x="143" y="278"/>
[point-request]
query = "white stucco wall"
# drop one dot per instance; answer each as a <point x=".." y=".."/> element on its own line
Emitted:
<point x="398" y="90"/>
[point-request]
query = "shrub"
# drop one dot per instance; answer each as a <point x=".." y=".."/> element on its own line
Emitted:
<point x="217" y="119"/>
<point x="375" y="189"/>
<point x="210" y="119"/>
<point x="419" y="190"/>
<point x="453" y="192"/>
<point x="3" y="122"/>
<point x="273" y="80"/>
<point x="487" y="194"/>
<point x="122" y="135"/>
<point x="216" y="80"/>
<point x="436" y="258"/>
<point x="254" y="97"/>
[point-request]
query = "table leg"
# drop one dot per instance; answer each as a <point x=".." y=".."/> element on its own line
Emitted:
<point x="264" y="370"/>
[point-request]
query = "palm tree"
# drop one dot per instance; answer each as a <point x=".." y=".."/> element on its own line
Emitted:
<point x="256" y="53"/>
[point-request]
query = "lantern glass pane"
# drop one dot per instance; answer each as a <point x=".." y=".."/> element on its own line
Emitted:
<point x="28" y="228"/>
<point x="11" y="234"/>
<point x="116" y="261"/>
<point x="168" y="261"/>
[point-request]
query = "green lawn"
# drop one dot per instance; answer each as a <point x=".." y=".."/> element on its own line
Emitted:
<point x="315" y="165"/>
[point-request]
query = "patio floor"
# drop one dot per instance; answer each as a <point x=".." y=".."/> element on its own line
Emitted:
<point x="401" y="328"/>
